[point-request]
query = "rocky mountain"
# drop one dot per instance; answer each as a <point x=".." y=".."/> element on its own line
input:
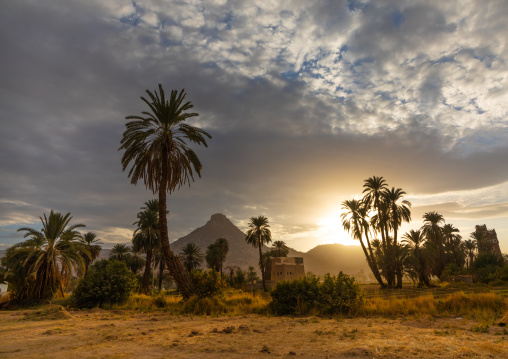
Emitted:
<point x="240" y="253"/>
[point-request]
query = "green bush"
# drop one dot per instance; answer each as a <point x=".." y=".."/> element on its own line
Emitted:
<point x="107" y="282"/>
<point x="336" y="295"/>
<point x="487" y="266"/>
<point x="208" y="283"/>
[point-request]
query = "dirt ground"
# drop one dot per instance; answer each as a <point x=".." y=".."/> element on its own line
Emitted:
<point x="116" y="334"/>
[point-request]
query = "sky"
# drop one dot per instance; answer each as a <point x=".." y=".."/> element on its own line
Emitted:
<point x="304" y="100"/>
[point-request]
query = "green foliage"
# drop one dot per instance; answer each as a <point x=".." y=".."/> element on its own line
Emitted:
<point x="336" y="295"/>
<point x="208" y="283"/>
<point x="42" y="266"/>
<point x="339" y="294"/>
<point x="487" y="266"/>
<point x="216" y="254"/>
<point x="191" y="256"/>
<point x="107" y="282"/>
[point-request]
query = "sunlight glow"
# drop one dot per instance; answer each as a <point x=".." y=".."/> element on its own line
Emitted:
<point x="331" y="231"/>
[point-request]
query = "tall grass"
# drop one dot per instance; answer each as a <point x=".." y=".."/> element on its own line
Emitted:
<point x="478" y="306"/>
<point x="233" y="302"/>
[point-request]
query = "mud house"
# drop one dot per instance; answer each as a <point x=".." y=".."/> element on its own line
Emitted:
<point x="285" y="268"/>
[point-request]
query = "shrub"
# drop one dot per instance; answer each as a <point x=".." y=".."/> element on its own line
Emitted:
<point x="208" y="283"/>
<point x="486" y="266"/>
<point x="159" y="301"/>
<point x="336" y="295"/>
<point x="107" y="282"/>
<point x="204" y="306"/>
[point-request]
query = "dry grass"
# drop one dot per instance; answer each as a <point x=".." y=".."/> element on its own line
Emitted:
<point x="125" y="333"/>
<point x="454" y="326"/>
<point x="484" y="308"/>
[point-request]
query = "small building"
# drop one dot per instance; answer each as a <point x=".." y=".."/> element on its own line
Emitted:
<point x="462" y="278"/>
<point x="285" y="268"/>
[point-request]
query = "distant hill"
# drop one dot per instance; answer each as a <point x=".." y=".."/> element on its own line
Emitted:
<point x="325" y="258"/>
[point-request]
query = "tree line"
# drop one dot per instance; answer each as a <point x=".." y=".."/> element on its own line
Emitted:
<point x="435" y="250"/>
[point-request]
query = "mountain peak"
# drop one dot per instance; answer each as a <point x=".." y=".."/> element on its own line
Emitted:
<point x="218" y="217"/>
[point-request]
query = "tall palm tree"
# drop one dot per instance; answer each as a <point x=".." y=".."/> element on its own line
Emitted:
<point x="156" y="144"/>
<point x="53" y="254"/>
<point x="146" y="237"/>
<point x="257" y="235"/>
<point x="279" y="249"/>
<point x="354" y="221"/>
<point x="191" y="256"/>
<point x="397" y="213"/>
<point x="120" y="252"/>
<point x="432" y="230"/>
<point x="93" y="245"/>
<point x="373" y="189"/>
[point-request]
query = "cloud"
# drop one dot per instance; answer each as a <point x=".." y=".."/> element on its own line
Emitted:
<point x="304" y="101"/>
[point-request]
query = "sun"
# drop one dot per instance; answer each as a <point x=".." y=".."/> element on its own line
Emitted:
<point x="330" y="229"/>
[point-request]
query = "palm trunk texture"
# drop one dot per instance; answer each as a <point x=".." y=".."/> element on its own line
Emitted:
<point x="262" y="267"/>
<point x="175" y="266"/>
<point x="146" y="275"/>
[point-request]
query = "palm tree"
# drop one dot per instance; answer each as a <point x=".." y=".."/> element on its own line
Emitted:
<point x="432" y="231"/>
<point x="414" y="241"/>
<point x="216" y="254"/>
<point x="136" y="261"/>
<point x="156" y="146"/>
<point x="279" y="249"/>
<point x="373" y="189"/>
<point x="397" y="213"/>
<point x="92" y="244"/>
<point x="191" y="256"/>
<point x="453" y="245"/>
<point x="146" y="238"/>
<point x="257" y="235"/>
<point x="354" y="221"/>
<point x="120" y="252"/>
<point x="470" y="246"/>
<point x="222" y="246"/>
<point x="53" y="254"/>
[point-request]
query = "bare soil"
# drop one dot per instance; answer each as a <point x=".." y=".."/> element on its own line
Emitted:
<point x="117" y="334"/>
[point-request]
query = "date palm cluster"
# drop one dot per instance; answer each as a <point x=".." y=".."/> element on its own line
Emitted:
<point x="44" y="264"/>
<point x="375" y="220"/>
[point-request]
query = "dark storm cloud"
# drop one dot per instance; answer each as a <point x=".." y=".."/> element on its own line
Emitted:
<point x="303" y="103"/>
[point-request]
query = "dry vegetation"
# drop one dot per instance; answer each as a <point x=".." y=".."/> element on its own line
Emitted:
<point x="458" y="325"/>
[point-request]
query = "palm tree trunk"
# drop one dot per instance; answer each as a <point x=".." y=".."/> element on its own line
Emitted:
<point x="162" y="264"/>
<point x="175" y="266"/>
<point x="398" y="269"/>
<point x="372" y="266"/>
<point x="262" y="266"/>
<point x="146" y="275"/>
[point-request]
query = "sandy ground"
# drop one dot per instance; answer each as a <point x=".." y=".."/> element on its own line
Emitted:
<point x="104" y="334"/>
